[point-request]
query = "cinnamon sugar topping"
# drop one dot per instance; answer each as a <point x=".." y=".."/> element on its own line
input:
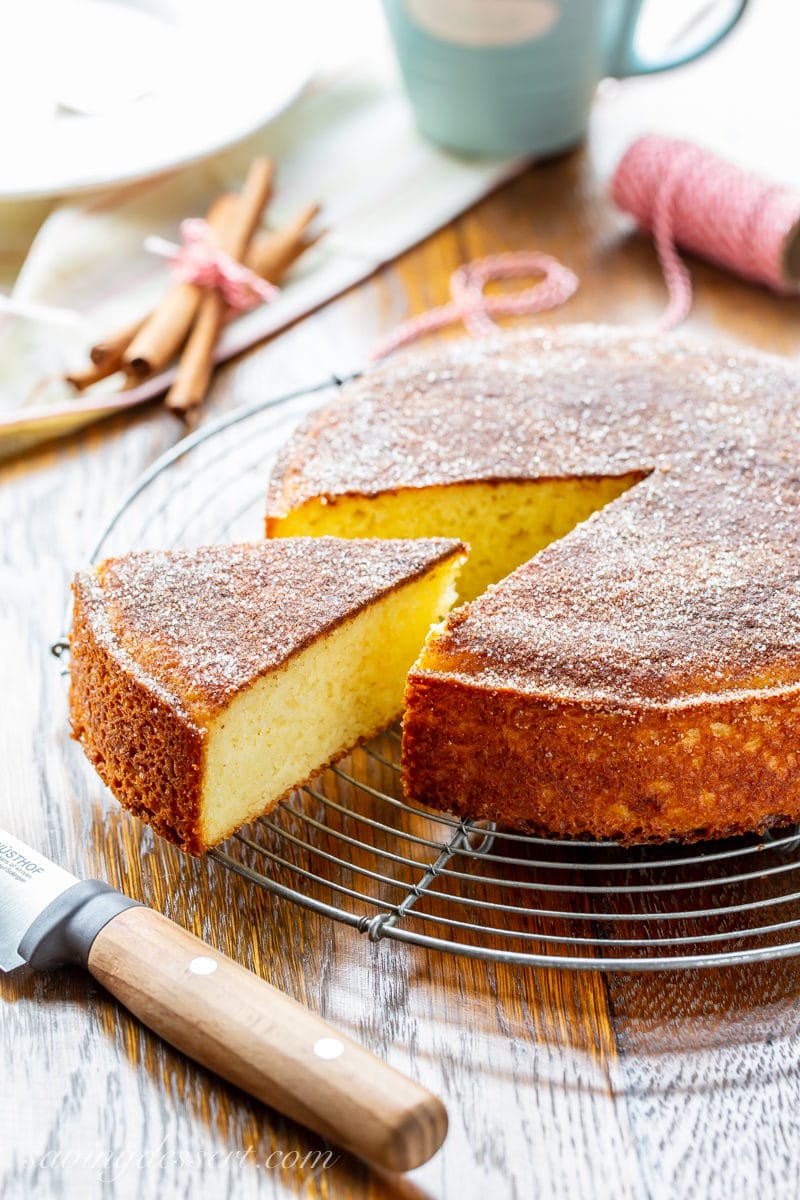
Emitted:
<point x="199" y="625"/>
<point x="687" y="585"/>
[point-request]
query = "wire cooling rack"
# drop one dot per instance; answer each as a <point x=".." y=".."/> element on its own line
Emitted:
<point x="350" y="847"/>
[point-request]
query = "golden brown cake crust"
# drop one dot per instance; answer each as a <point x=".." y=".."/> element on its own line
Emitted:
<point x="146" y="751"/>
<point x="638" y="678"/>
<point x="568" y="769"/>
<point x="161" y="641"/>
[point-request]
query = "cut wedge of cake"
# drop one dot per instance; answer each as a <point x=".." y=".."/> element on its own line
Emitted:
<point x="207" y="684"/>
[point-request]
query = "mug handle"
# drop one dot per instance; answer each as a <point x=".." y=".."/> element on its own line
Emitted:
<point x="628" y="62"/>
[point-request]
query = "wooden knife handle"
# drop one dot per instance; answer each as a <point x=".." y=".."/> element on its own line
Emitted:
<point x="256" y="1037"/>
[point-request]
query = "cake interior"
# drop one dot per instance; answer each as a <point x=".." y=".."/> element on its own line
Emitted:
<point x="504" y="523"/>
<point x="341" y="689"/>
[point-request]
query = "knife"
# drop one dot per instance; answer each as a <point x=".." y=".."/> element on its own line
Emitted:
<point x="220" y="1014"/>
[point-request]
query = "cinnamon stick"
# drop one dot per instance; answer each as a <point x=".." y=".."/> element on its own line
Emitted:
<point x="163" y="333"/>
<point x="271" y="254"/>
<point x="113" y="347"/>
<point x="87" y="376"/>
<point x="194" y="370"/>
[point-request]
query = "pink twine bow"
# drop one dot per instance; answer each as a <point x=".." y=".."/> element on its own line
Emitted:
<point x="199" y="260"/>
<point x="475" y="309"/>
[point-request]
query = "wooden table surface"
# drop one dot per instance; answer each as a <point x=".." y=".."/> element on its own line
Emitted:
<point x="558" y="1085"/>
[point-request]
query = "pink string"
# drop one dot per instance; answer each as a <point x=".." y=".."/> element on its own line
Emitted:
<point x="689" y="197"/>
<point x="199" y="260"/>
<point x="470" y="304"/>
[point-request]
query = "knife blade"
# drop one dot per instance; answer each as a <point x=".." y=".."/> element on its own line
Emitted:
<point x="28" y="883"/>
<point x="215" y="1011"/>
<point x="30" y="886"/>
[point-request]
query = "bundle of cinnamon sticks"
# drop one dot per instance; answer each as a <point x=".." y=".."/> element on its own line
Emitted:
<point x="188" y="319"/>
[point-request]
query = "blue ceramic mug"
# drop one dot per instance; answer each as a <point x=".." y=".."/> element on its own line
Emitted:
<point x="517" y="77"/>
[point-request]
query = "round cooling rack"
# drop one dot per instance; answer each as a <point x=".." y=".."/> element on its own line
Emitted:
<point x="349" y="846"/>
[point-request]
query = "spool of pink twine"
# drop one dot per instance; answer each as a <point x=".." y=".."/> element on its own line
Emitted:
<point x="689" y="197"/>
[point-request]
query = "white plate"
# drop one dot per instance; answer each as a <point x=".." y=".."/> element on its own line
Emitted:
<point x="96" y="92"/>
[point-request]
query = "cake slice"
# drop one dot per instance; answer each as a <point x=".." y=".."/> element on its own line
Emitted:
<point x="207" y="684"/>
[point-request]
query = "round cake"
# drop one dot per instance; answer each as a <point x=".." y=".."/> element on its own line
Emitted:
<point x="633" y="508"/>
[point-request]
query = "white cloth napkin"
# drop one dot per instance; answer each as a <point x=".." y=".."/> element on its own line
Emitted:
<point x="348" y="143"/>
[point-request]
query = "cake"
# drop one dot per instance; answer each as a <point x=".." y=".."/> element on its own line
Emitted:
<point x="639" y="677"/>
<point x="207" y="684"/>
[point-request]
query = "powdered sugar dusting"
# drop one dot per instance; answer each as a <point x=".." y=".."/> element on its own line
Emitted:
<point x="200" y="625"/>
<point x="688" y="585"/>
<point x="586" y="400"/>
<point x="680" y="589"/>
